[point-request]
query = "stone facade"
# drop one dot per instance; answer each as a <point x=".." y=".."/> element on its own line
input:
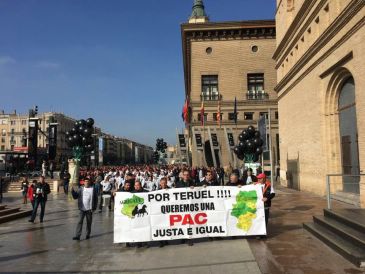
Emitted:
<point x="319" y="47"/>
<point x="230" y="51"/>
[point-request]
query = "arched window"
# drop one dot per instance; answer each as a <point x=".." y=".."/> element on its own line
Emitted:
<point x="348" y="135"/>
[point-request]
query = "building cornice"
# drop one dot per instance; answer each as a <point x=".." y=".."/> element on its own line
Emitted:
<point x="323" y="40"/>
<point x="280" y="86"/>
<point x="300" y="34"/>
<point x="298" y="20"/>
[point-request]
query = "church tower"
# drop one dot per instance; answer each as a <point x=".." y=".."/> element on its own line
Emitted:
<point x="198" y="15"/>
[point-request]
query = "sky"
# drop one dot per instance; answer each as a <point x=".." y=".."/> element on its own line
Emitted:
<point x="117" y="61"/>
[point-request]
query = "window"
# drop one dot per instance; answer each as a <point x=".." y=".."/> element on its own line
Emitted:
<point x="276" y="115"/>
<point x="215" y="118"/>
<point x="3" y="132"/>
<point x="205" y="117"/>
<point x="248" y="115"/>
<point x="231" y="116"/>
<point x="2" y="148"/>
<point x="266" y="114"/>
<point x="12" y="131"/>
<point x="24" y="122"/>
<point x="255" y="86"/>
<point x="3" y="139"/>
<point x="12" y="122"/>
<point x="209" y="50"/>
<point x="254" y="48"/>
<point x="210" y="88"/>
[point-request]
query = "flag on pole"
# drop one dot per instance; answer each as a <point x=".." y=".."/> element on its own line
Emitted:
<point x="185" y="112"/>
<point x="202" y="114"/>
<point x="235" y="114"/>
<point x="219" y="115"/>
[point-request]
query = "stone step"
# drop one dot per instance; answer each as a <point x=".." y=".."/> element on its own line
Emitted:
<point x="351" y="252"/>
<point x="8" y="211"/>
<point x="14" y="216"/>
<point x="348" y="233"/>
<point x="2" y="207"/>
<point x="354" y="218"/>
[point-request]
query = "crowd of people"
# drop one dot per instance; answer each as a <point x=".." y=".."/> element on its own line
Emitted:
<point x="97" y="187"/>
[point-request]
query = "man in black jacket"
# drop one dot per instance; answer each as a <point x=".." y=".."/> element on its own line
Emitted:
<point x="209" y="180"/>
<point x="186" y="181"/>
<point x="41" y="192"/>
<point x="87" y="197"/>
<point x="234" y="180"/>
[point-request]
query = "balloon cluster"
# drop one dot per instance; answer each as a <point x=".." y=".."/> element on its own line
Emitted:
<point x="80" y="136"/>
<point x="161" y="145"/>
<point x="250" y="145"/>
<point x="156" y="156"/>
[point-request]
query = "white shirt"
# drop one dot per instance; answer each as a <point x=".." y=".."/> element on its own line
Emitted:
<point x="107" y="186"/>
<point x="87" y="198"/>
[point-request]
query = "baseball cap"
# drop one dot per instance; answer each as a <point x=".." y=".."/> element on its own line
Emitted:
<point x="261" y="176"/>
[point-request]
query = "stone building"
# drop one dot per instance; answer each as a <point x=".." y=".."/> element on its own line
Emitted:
<point x="14" y="138"/>
<point x="14" y="132"/>
<point x="224" y="61"/>
<point x="320" y="69"/>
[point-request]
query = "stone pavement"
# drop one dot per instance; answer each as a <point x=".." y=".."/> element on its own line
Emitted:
<point x="291" y="249"/>
<point x="48" y="247"/>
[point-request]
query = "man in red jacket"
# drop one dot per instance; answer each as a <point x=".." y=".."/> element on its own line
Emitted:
<point x="267" y="193"/>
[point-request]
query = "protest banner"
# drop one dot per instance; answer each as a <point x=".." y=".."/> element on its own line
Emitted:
<point x="186" y="213"/>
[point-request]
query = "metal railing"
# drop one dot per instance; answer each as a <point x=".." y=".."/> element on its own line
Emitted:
<point x="328" y="185"/>
<point x="210" y="97"/>
<point x="257" y="96"/>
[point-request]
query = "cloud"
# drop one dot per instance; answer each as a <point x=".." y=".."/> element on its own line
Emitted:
<point x="47" y="65"/>
<point x="6" y="60"/>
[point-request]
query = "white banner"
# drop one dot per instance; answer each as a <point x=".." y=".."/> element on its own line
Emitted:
<point x="186" y="213"/>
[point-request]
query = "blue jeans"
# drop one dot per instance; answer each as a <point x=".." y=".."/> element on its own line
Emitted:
<point x="38" y="202"/>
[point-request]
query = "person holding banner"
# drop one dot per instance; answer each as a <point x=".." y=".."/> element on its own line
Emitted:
<point x="183" y="183"/>
<point x="138" y="187"/>
<point x="209" y="180"/>
<point x="87" y="197"/>
<point x="268" y="194"/>
<point x="234" y="180"/>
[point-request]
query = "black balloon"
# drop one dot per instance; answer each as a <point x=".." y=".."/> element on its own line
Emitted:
<point x="245" y="134"/>
<point x="257" y="134"/>
<point x="241" y="156"/>
<point x="87" y="132"/>
<point x="258" y="151"/>
<point x="76" y="139"/>
<point x="257" y="142"/>
<point x="90" y="122"/>
<point x="67" y="133"/>
<point x="241" y="137"/>
<point x="249" y="147"/>
<point x="82" y="122"/>
<point x="89" y="147"/>
<point x="236" y="150"/>
<point x="73" y="131"/>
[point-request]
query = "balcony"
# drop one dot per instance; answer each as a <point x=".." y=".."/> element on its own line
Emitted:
<point x="257" y="96"/>
<point x="210" y="97"/>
